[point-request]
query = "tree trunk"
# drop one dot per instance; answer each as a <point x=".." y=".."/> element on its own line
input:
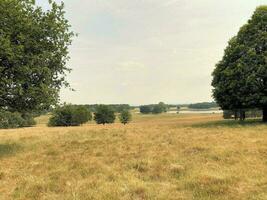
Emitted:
<point x="264" y="114"/>
<point x="242" y="115"/>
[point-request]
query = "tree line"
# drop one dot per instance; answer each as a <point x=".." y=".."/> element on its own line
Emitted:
<point x="203" y="105"/>
<point x="154" y="108"/>
<point x="75" y="115"/>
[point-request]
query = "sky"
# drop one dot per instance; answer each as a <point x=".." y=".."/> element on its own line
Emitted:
<point x="147" y="51"/>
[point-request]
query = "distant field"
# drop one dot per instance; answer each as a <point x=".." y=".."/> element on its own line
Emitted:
<point x="166" y="156"/>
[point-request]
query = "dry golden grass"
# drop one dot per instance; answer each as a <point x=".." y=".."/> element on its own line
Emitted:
<point x="154" y="157"/>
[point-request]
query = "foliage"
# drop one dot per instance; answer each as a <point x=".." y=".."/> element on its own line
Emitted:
<point x="145" y="109"/>
<point x="125" y="117"/>
<point x="70" y="115"/>
<point x="33" y="51"/>
<point x="157" y="109"/>
<point x="162" y="107"/>
<point x="28" y="119"/>
<point x="104" y="115"/>
<point x="240" y="78"/>
<point x="204" y="105"/>
<point x="15" y="120"/>
<point x="154" y="108"/>
<point x="116" y="107"/>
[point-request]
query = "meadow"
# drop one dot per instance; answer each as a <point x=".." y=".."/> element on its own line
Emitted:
<point x="165" y="156"/>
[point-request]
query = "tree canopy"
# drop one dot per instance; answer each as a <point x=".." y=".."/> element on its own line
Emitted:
<point x="104" y="115"/>
<point x="33" y="54"/>
<point x="70" y="115"/>
<point x="240" y="78"/>
<point x="125" y="116"/>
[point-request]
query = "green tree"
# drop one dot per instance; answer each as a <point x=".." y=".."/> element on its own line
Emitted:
<point x="33" y="55"/>
<point x="146" y="109"/>
<point x="240" y="78"/>
<point x="125" y="117"/>
<point x="163" y="106"/>
<point x="70" y="115"/>
<point x="157" y="109"/>
<point x="104" y="115"/>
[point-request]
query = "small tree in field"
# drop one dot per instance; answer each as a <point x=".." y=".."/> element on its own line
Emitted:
<point x="125" y="117"/>
<point x="104" y="115"/>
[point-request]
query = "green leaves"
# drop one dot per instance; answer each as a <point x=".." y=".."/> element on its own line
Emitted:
<point x="70" y="115"/>
<point x="33" y="54"/>
<point x="125" y="117"/>
<point x="240" y="78"/>
<point x="104" y="115"/>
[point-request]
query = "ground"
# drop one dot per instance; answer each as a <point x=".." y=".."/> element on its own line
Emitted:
<point x="165" y="156"/>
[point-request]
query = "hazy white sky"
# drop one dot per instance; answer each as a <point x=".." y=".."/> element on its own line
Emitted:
<point x="146" y="51"/>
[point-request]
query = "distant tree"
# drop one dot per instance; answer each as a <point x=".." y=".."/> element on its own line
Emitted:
<point x="70" y="115"/>
<point x="104" y="115"/>
<point x="125" y="117"/>
<point x="116" y="107"/>
<point x="146" y="109"/>
<point x="122" y="107"/>
<point x="157" y="109"/>
<point x="240" y="78"/>
<point x="203" y="105"/>
<point x="163" y="106"/>
<point x="33" y="55"/>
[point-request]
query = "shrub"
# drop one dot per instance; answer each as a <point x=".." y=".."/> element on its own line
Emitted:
<point x="70" y="115"/>
<point x="104" y="115"/>
<point x="154" y="108"/>
<point x="15" y="120"/>
<point x="28" y="120"/>
<point x="146" y="109"/>
<point x="125" y="117"/>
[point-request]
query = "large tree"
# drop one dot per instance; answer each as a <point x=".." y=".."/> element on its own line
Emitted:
<point x="240" y="78"/>
<point x="33" y="54"/>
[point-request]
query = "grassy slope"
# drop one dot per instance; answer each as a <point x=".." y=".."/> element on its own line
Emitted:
<point x="155" y="157"/>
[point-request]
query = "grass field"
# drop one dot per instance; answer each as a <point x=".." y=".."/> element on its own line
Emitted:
<point x="154" y="157"/>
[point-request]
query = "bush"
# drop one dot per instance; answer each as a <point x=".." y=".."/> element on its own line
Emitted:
<point x="158" y="109"/>
<point x="146" y="109"/>
<point x="15" y="120"/>
<point x="28" y="120"/>
<point x="125" y="117"/>
<point x="104" y="115"/>
<point x="70" y="115"/>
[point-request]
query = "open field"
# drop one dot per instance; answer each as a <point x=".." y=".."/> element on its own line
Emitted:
<point x="154" y="157"/>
